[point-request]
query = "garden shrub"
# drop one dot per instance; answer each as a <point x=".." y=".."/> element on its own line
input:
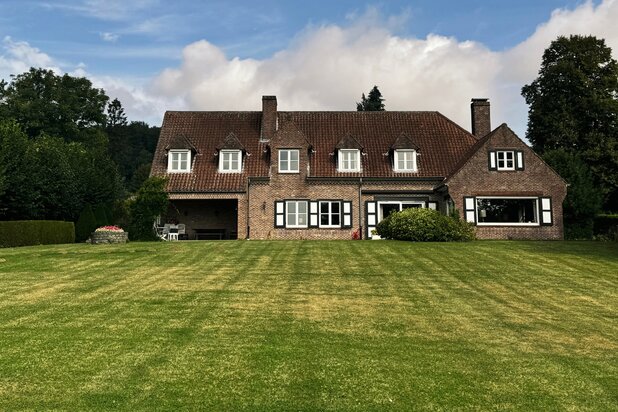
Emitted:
<point x="606" y="227"/>
<point x="102" y="215"/>
<point x="35" y="232"/>
<point x="424" y="225"/>
<point x="86" y="224"/>
<point x="150" y="201"/>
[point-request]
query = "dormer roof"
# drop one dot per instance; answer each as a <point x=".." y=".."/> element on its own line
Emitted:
<point x="402" y="142"/>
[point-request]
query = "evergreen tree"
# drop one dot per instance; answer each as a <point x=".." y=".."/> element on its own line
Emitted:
<point x="150" y="201"/>
<point x="373" y="103"/>
<point x="86" y="224"/>
<point x="115" y="114"/>
<point x="574" y="107"/>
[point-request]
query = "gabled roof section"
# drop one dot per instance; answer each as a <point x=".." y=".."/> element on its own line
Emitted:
<point x="180" y="141"/>
<point x="481" y="143"/>
<point x="231" y="142"/>
<point x="348" y="142"/>
<point x="403" y="141"/>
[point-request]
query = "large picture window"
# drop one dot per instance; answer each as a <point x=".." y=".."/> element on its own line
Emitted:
<point x="179" y="161"/>
<point x="296" y="213"/>
<point x="330" y="214"/>
<point x="349" y="160"/>
<point x="505" y="211"/>
<point x="288" y="160"/>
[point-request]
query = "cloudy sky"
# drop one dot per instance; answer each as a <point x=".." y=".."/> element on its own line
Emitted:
<point x="157" y="55"/>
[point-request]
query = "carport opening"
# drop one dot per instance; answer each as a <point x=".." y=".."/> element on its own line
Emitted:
<point x="212" y="219"/>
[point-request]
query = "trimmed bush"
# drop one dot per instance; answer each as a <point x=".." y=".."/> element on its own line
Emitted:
<point x="424" y="225"/>
<point x="86" y="224"/>
<point x="102" y="215"/>
<point x="35" y="232"/>
<point x="606" y="227"/>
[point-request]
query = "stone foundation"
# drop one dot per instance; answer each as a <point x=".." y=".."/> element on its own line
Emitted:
<point x="97" y="238"/>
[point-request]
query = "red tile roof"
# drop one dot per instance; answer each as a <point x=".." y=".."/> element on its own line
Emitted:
<point x="441" y="144"/>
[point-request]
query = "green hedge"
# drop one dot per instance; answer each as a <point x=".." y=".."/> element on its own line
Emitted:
<point x="35" y="232"/>
<point x="606" y="227"/>
<point x="424" y="225"/>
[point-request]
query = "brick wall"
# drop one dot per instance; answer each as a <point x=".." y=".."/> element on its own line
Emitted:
<point x="537" y="179"/>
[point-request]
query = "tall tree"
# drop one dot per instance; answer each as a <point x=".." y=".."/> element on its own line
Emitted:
<point x="115" y="114"/>
<point x="574" y="106"/>
<point x="372" y="103"/>
<point x="43" y="102"/>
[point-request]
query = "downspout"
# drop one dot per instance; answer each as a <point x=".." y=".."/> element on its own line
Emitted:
<point x="247" y="217"/>
<point x="360" y="207"/>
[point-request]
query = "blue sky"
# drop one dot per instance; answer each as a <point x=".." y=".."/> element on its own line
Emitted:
<point x="156" y="55"/>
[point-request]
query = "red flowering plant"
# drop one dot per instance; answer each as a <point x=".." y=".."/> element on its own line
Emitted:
<point x="109" y="229"/>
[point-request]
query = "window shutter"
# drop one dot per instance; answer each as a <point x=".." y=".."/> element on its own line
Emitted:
<point x="546" y="215"/>
<point x="371" y="214"/>
<point x="470" y="209"/>
<point x="519" y="160"/>
<point x="432" y="205"/>
<point x="347" y="214"/>
<point x="279" y="214"/>
<point x="313" y="214"/>
<point x="492" y="161"/>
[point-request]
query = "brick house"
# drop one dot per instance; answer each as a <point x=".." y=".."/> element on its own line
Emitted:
<point x="326" y="175"/>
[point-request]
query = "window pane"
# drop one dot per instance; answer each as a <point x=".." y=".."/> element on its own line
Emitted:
<point x="283" y="155"/>
<point x="335" y="219"/>
<point x="292" y="207"/>
<point x="294" y="155"/>
<point x="334" y="207"/>
<point x="302" y="207"/>
<point x="174" y="164"/>
<point x="324" y="220"/>
<point x="323" y="207"/>
<point x="291" y="219"/>
<point x="293" y="165"/>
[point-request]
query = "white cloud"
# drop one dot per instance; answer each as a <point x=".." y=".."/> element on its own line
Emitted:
<point x="109" y="37"/>
<point x="17" y="57"/>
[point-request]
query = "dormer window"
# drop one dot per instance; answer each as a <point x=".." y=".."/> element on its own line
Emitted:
<point x="349" y="160"/>
<point x="405" y="160"/>
<point x="179" y="161"/>
<point x="230" y="161"/>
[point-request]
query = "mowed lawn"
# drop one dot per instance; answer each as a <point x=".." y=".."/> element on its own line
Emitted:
<point x="310" y="325"/>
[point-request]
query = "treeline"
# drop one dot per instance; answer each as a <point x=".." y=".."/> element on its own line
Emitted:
<point x="64" y="146"/>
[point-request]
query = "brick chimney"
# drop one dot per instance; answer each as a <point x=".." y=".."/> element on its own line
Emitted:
<point x="269" y="118"/>
<point x="481" y="123"/>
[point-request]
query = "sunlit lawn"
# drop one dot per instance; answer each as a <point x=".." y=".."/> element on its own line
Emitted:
<point x="304" y="325"/>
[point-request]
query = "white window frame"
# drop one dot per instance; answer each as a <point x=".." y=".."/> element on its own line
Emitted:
<point x="222" y="158"/>
<point x="536" y="207"/>
<point x="400" y="203"/>
<point x="170" y="161"/>
<point x="329" y="213"/>
<point x="406" y="153"/>
<point x="501" y="157"/>
<point x="297" y="213"/>
<point x="343" y="159"/>
<point x="288" y="161"/>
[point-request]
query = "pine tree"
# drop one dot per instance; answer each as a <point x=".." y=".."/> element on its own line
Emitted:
<point x="372" y="103"/>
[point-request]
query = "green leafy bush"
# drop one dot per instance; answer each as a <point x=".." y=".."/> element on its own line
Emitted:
<point x="35" y="232"/>
<point x="424" y="225"/>
<point x="151" y="201"/>
<point x="102" y="215"/>
<point x="606" y="227"/>
<point x="86" y="224"/>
